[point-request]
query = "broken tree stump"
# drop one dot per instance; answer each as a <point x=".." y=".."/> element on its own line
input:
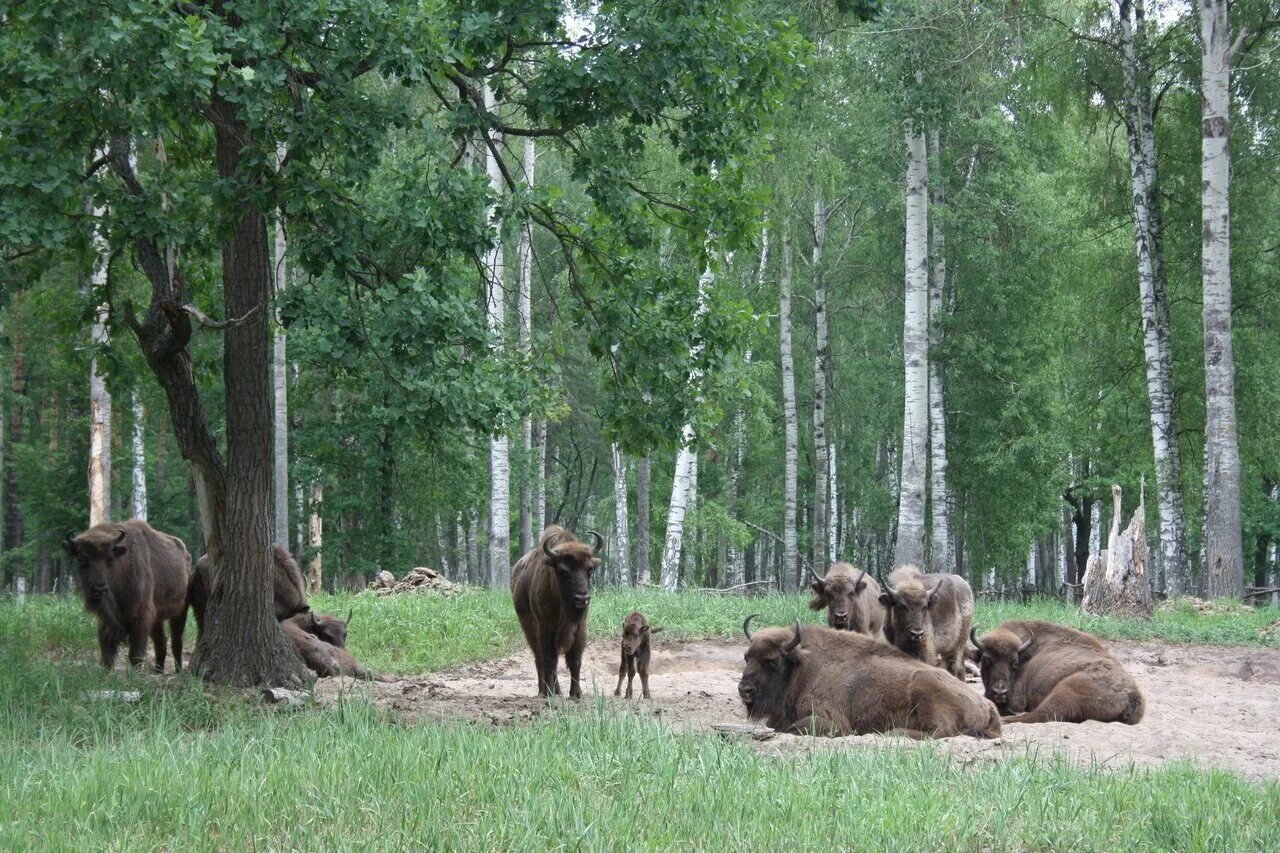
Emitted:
<point x="1116" y="582"/>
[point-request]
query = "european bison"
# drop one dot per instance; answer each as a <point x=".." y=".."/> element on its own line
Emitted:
<point x="1039" y="672"/>
<point x="323" y="658"/>
<point x="551" y="590"/>
<point x="635" y="653"/>
<point x="288" y="589"/>
<point x="929" y="616"/>
<point x="133" y="578"/>
<point x="852" y="599"/>
<point x="836" y="683"/>
<point x="326" y="626"/>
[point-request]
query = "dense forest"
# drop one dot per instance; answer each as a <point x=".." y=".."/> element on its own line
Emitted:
<point x="748" y="287"/>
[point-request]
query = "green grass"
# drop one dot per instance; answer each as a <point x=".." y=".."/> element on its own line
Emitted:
<point x="189" y="768"/>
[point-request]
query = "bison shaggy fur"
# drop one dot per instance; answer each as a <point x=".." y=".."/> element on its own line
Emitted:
<point x="288" y="589"/>
<point x="324" y="659"/>
<point x="851" y="599"/>
<point x="635" y="653"/>
<point x="929" y="616"/>
<point x="1039" y="672"/>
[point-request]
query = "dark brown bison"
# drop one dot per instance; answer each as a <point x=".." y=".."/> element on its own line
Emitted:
<point x="851" y="598"/>
<point x="635" y="653"/>
<point x="551" y="590"/>
<point x="1038" y="672"/>
<point x="332" y="629"/>
<point x="324" y="659"/>
<point x="929" y="616"/>
<point x="133" y="578"/>
<point x="288" y="589"/>
<point x="828" y="682"/>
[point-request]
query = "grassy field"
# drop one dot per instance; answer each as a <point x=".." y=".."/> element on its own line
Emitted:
<point x="183" y="767"/>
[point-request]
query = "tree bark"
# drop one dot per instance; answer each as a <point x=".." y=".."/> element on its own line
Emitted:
<point x="641" y="562"/>
<point x="1172" y="565"/>
<point x="280" y="371"/>
<point x="1117" y="583"/>
<point x="621" y="559"/>
<point x="315" y="538"/>
<point x="495" y="311"/>
<point x="13" y="527"/>
<point x="790" y="422"/>
<point x="524" y="327"/>
<point x="139" y="498"/>
<point x="1224" y="546"/>
<point x="99" y="397"/>
<point x="940" y="557"/>
<point x="540" y="482"/>
<point x="821" y="384"/>
<point x="909" y="545"/>
<point x="734" y="556"/>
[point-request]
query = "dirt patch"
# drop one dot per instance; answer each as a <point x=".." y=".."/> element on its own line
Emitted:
<point x="1215" y="707"/>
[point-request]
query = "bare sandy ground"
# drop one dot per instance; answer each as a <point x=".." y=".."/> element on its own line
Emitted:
<point x="1215" y="707"/>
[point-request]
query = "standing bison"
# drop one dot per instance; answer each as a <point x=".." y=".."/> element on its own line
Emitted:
<point x="1038" y="672"/>
<point x="133" y="578"/>
<point x="635" y="653"/>
<point x="551" y="590"/>
<point x="288" y="589"/>
<point x="835" y="683"/>
<point x="851" y="599"/>
<point x="929" y="616"/>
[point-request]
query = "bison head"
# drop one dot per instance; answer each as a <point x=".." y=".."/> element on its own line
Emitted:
<point x="573" y="563"/>
<point x="95" y="554"/>
<point x="332" y="629"/>
<point x="635" y="632"/>
<point x="840" y="592"/>
<point x="1000" y="654"/>
<point x="772" y="661"/>
<point x="909" y="605"/>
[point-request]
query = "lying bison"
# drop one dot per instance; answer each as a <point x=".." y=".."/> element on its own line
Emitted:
<point x="929" y="616"/>
<point x="288" y="589"/>
<point x="1038" y="672"/>
<point x="321" y="657"/>
<point x="326" y="626"/>
<point x="551" y="590"/>
<point x="851" y="599"/>
<point x="836" y="683"/>
<point x="635" y="653"/>
<point x="133" y="578"/>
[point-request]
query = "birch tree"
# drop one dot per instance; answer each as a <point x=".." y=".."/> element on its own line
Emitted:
<point x="791" y="426"/>
<point x="940" y="557"/>
<point x="734" y="556"/>
<point x="821" y="383"/>
<point x="315" y="538"/>
<point x="524" y="329"/>
<point x="139" y="497"/>
<point x="621" y="558"/>
<point x="1156" y="334"/>
<point x="280" y="377"/>
<point x="495" y="307"/>
<point x="641" y="562"/>
<point x="1224" y="548"/>
<point x="99" y="396"/>
<point x="909" y="545"/>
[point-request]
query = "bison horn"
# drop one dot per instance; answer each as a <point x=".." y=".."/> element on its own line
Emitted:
<point x="746" y="625"/>
<point x="599" y="542"/>
<point x="884" y="585"/>
<point x="71" y="536"/>
<point x="973" y="636"/>
<point x="858" y="582"/>
<point x="815" y="574"/>
<point x="928" y="599"/>
<point x="119" y="538"/>
<point x="1022" y="648"/>
<point x="795" y="641"/>
<point x="548" y="550"/>
<point x="350" y="613"/>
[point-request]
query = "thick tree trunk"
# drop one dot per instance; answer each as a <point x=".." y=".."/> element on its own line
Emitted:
<point x="524" y="328"/>
<point x="1224" y="546"/>
<point x="821" y="384"/>
<point x="940" y="557"/>
<point x="790" y="550"/>
<point x="621" y="559"/>
<point x="280" y="375"/>
<point x="909" y="545"/>
<point x="139" y="498"/>
<point x="1117" y="583"/>
<point x="495" y="311"/>
<point x="641" y="562"/>
<point x="242" y="643"/>
<point x="99" y="397"/>
<point x="1157" y="337"/>
<point x="315" y="538"/>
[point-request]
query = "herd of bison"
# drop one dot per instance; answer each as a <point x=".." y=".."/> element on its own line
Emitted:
<point x="839" y="680"/>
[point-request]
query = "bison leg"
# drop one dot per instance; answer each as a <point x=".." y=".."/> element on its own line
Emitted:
<point x="573" y="657"/>
<point x="548" y="681"/>
<point x="622" y="671"/>
<point x="138" y="643"/>
<point x="158" y="640"/>
<point x="1075" y="699"/>
<point x="109" y="645"/>
<point x="177" y="625"/>
<point x="631" y="674"/>
<point x="644" y="677"/>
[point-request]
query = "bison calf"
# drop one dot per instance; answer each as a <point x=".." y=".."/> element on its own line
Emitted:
<point x="1038" y="672"/>
<point x="133" y="578"/>
<point x="635" y="653"/>
<point x="851" y="599"/>
<point x="929" y="616"/>
<point x="551" y="591"/>
<point x="827" y="682"/>
<point x="323" y="658"/>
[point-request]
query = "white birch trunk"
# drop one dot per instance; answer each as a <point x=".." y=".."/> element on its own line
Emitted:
<point x="622" y="554"/>
<point x="280" y="366"/>
<point x="821" y="383"/>
<point x="1171" y="567"/>
<point x="540" y="480"/>
<point x="474" y="570"/>
<point x="315" y="538"/>
<point x="1273" y="552"/>
<point x="442" y="547"/>
<point x="909" y="545"/>
<point x="495" y="308"/>
<point x="99" y="396"/>
<point x="940" y="556"/>
<point x="524" y="328"/>
<point x="1095" y="529"/>
<point x="833" y="505"/>
<point x="1032" y="566"/>
<point x="791" y="425"/>
<point x="139" y="499"/>
<point x="1224" y="547"/>
<point x="641" y="562"/>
